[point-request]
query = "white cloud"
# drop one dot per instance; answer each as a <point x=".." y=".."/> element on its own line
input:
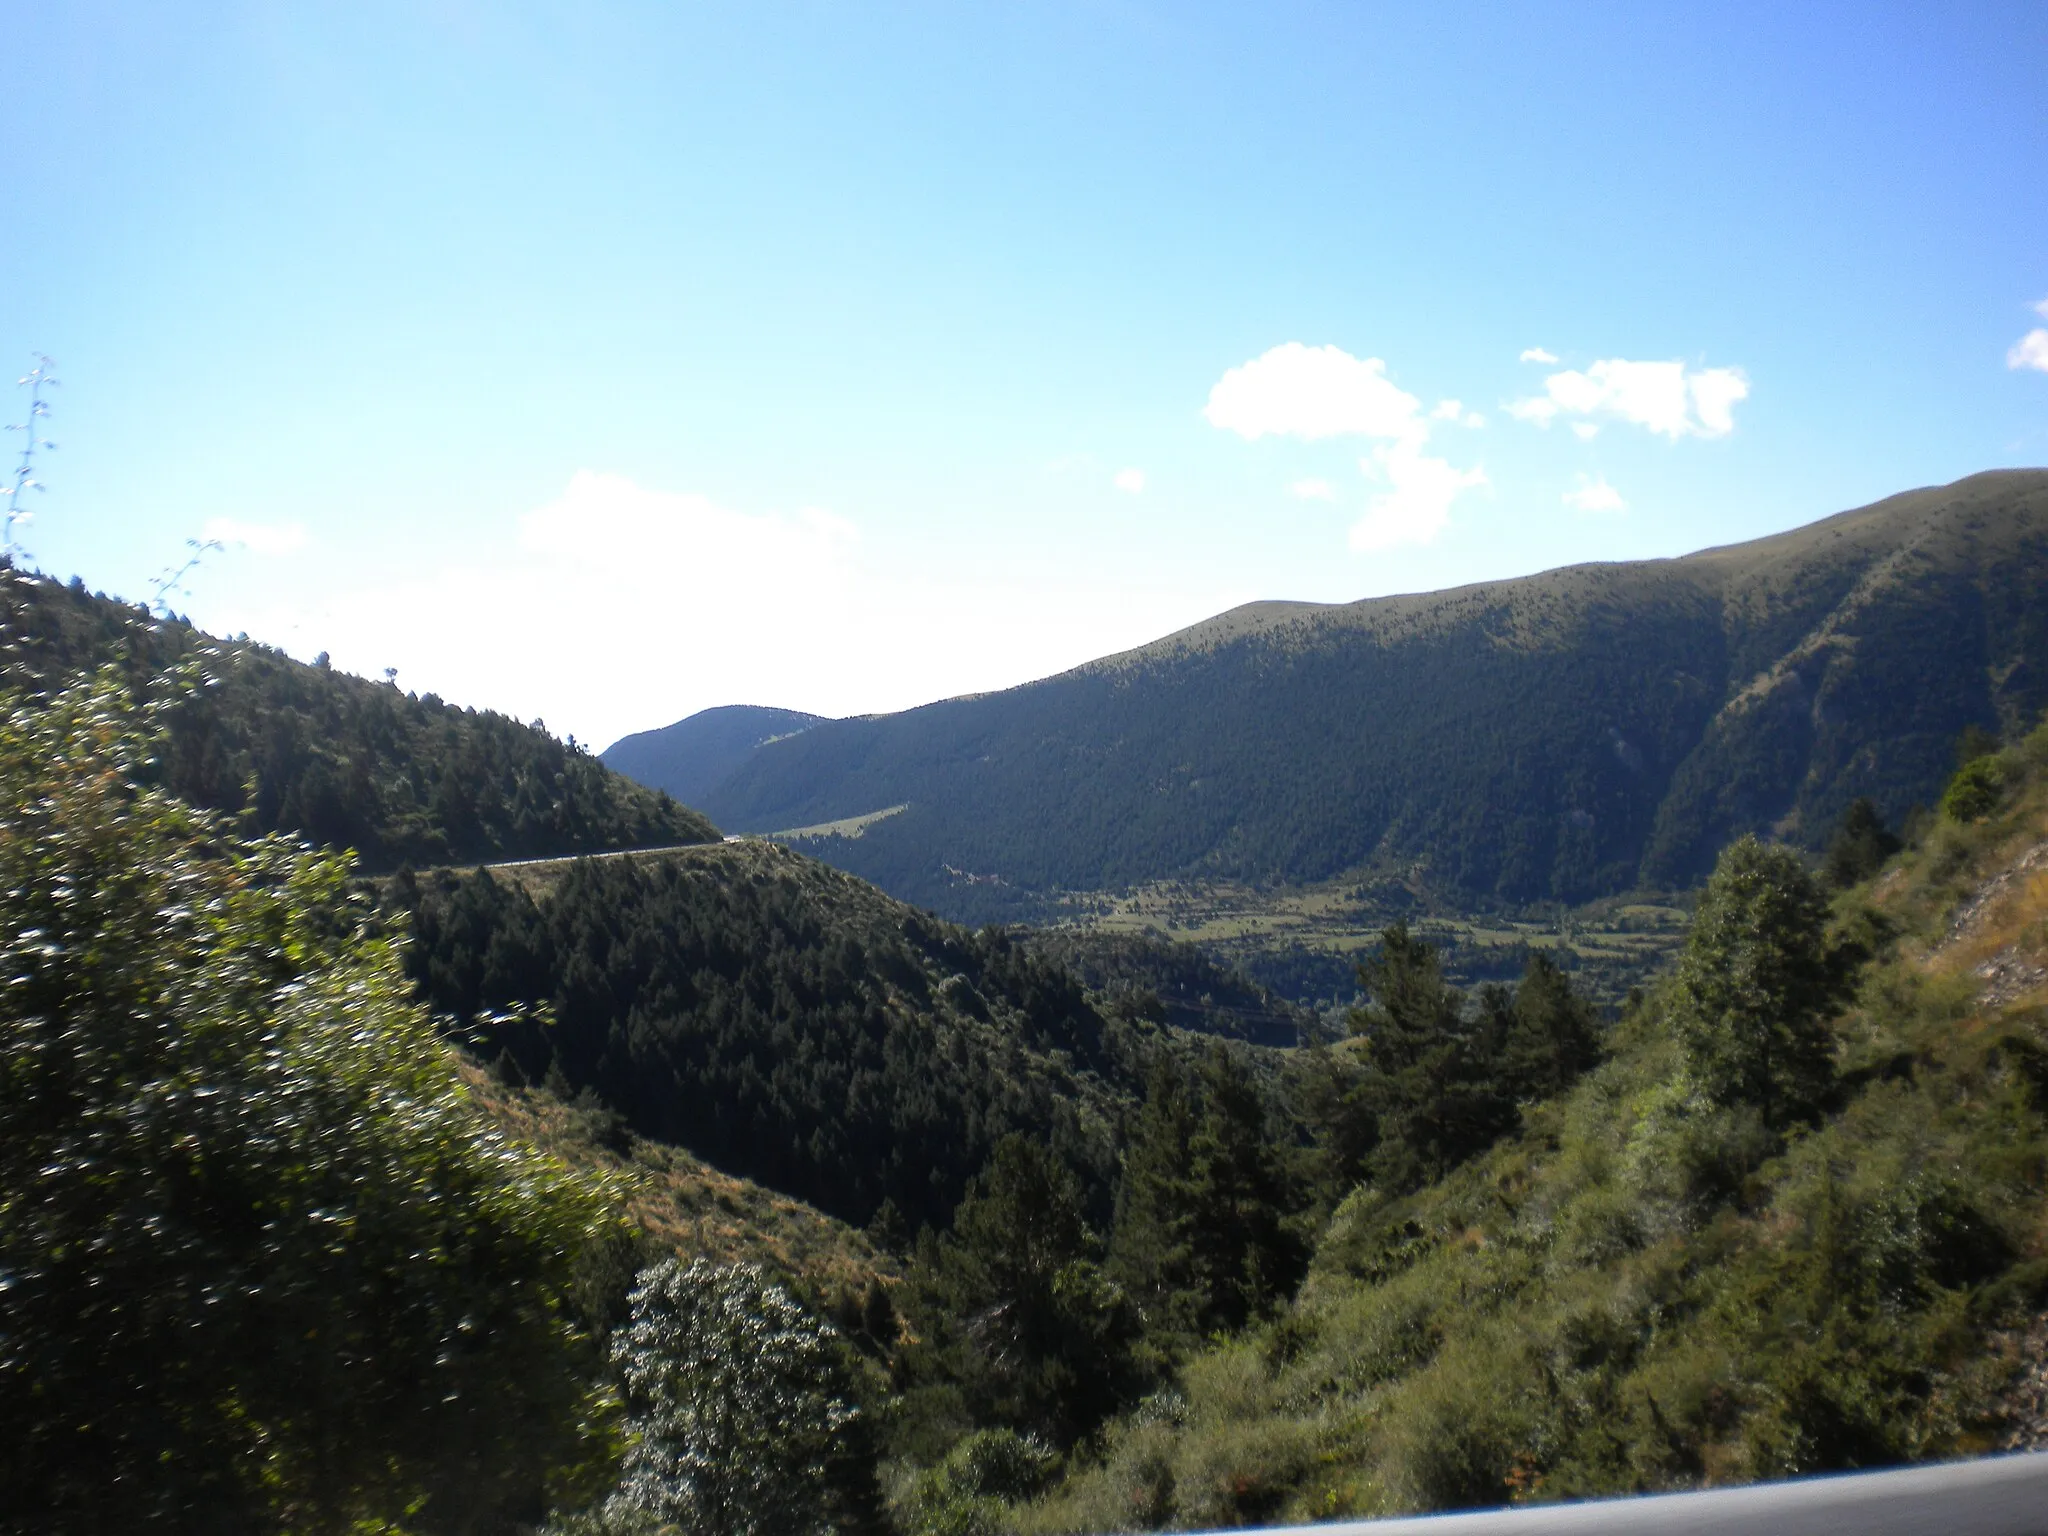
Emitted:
<point x="2041" y="308"/>
<point x="1585" y="431"/>
<point x="257" y="538"/>
<point x="1311" y="392"/>
<point x="1416" y="507"/>
<point x="2031" y="350"/>
<point x="1130" y="481"/>
<point x="1315" y="392"/>
<point x="1594" y="494"/>
<point x="1662" y="397"/>
<point x="1537" y="355"/>
<point x="1715" y="394"/>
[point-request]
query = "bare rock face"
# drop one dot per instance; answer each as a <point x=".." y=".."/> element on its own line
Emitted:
<point x="2011" y="970"/>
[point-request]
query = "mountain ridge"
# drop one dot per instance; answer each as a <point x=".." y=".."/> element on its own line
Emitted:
<point x="288" y="746"/>
<point x="689" y="758"/>
<point x="1563" y="736"/>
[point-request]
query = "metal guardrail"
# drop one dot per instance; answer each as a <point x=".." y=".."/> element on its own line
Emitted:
<point x="1997" y="1496"/>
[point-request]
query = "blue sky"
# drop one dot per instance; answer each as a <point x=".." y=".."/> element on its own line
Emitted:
<point x="604" y="362"/>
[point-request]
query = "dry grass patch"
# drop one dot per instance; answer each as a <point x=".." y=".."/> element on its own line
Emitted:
<point x="685" y="1205"/>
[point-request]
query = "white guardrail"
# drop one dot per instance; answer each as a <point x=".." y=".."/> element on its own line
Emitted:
<point x="1998" y="1496"/>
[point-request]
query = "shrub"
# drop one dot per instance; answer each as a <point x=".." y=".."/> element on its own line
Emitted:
<point x="1454" y="1432"/>
<point x="965" y="1495"/>
<point x="262" y="1267"/>
<point x="741" y="1408"/>
<point x="1975" y="791"/>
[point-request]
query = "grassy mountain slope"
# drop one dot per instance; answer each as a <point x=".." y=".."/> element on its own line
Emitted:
<point x="1643" y="1290"/>
<point x="781" y="1019"/>
<point x="680" y="1203"/>
<point x="333" y="757"/>
<point x="692" y="757"/>
<point x="1562" y="736"/>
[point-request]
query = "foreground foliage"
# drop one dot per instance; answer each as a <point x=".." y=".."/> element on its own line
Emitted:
<point x="261" y="1266"/>
<point x="741" y="1415"/>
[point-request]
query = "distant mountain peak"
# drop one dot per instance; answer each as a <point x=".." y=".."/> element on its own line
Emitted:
<point x="692" y="757"/>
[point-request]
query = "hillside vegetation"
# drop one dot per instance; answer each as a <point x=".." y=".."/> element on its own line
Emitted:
<point x="1794" y="1224"/>
<point x="287" y="747"/>
<point x="1177" y="984"/>
<point x="1561" y="737"/>
<point x="680" y="1204"/>
<point x="692" y="757"/>
<point x="778" y="1018"/>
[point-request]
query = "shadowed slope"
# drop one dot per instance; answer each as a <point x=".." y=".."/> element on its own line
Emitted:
<point x="690" y="758"/>
<point x="1565" y="735"/>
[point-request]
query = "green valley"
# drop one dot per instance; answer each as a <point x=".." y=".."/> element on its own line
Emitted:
<point x="1208" y="1200"/>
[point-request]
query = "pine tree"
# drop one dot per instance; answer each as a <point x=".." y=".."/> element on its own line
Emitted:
<point x="1552" y="1033"/>
<point x="1038" y="1334"/>
<point x="1861" y="844"/>
<point x="1150" y="1249"/>
<point x="1434" y="1097"/>
<point x="1756" y="984"/>
<point x="1245" y="1257"/>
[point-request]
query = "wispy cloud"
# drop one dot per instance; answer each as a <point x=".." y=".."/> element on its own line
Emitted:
<point x="1314" y="490"/>
<point x="1537" y="355"/>
<point x="608" y="520"/>
<point x="1592" y="493"/>
<point x="257" y="538"/>
<point x="1416" y="506"/>
<point x="1310" y="393"/>
<point x="1130" y="481"/>
<point x="1662" y="397"/>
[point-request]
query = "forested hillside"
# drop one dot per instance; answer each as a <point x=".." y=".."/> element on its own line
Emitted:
<point x="783" y="1020"/>
<point x="1097" y="1190"/>
<point x="1178" y="984"/>
<point x="334" y="758"/>
<point x="1562" y="736"/>
<point x="692" y="757"/>
<point x="1794" y="1224"/>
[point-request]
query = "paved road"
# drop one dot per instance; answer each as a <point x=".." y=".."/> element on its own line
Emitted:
<point x="1998" y="1496"/>
<point x="609" y="853"/>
